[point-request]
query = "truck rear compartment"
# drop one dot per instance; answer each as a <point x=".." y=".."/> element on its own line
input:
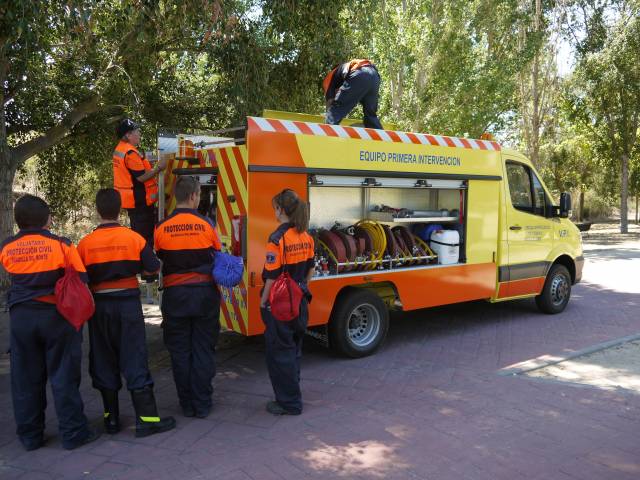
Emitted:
<point x="398" y="214"/>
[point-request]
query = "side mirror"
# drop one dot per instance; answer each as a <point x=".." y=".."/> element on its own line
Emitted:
<point x="565" y="204"/>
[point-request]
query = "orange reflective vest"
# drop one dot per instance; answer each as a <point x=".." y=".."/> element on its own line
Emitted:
<point x="344" y="70"/>
<point x="126" y="158"/>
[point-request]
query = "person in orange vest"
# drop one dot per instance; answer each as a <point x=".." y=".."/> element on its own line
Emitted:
<point x="136" y="181"/>
<point x="348" y="84"/>
<point x="43" y="344"/>
<point x="290" y="248"/>
<point x="186" y="243"/>
<point x="113" y="255"/>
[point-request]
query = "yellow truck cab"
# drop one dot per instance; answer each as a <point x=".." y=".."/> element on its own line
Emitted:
<point x="400" y="220"/>
<point x="536" y="238"/>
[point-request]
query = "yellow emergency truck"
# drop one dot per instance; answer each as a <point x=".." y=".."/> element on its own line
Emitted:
<point x="401" y="221"/>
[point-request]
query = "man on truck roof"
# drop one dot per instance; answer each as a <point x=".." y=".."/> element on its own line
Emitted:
<point x="348" y="84"/>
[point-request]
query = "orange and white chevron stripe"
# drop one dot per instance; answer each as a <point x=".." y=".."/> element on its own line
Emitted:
<point x="232" y="201"/>
<point x="325" y="130"/>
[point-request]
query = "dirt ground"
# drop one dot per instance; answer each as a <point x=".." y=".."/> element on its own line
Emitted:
<point x="609" y="233"/>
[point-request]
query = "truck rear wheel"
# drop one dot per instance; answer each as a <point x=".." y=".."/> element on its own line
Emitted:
<point x="556" y="291"/>
<point x="358" y="324"/>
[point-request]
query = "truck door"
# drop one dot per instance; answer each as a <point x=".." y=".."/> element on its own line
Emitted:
<point x="529" y="231"/>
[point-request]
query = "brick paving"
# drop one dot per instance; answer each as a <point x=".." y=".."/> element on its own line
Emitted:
<point x="429" y="405"/>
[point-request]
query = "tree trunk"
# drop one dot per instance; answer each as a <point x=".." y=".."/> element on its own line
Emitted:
<point x="624" y="221"/>
<point x="6" y="205"/>
<point x="6" y="198"/>
<point x="637" y="209"/>
<point x="7" y="171"/>
<point x="581" y="212"/>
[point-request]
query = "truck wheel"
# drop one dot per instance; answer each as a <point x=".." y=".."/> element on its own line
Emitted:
<point x="358" y="324"/>
<point x="556" y="292"/>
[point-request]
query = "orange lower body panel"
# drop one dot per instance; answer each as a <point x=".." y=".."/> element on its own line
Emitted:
<point x="515" y="288"/>
<point x="419" y="288"/>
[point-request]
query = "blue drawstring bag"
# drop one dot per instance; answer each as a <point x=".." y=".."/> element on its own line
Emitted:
<point x="227" y="269"/>
<point x="424" y="231"/>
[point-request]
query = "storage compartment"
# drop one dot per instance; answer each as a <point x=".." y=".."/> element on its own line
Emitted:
<point x="368" y="224"/>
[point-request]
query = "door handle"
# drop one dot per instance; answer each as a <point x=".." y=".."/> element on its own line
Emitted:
<point x="515" y="227"/>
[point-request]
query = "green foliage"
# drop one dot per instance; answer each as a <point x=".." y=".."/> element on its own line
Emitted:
<point x="597" y="207"/>
<point x="606" y="94"/>
<point x="447" y="67"/>
<point x="634" y="177"/>
<point x="183" y="64"/>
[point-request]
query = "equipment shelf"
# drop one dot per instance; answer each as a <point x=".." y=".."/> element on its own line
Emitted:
<point x="389" y="218"/>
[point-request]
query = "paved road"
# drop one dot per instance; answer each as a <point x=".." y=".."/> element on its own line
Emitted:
<point x="429" y="405"/>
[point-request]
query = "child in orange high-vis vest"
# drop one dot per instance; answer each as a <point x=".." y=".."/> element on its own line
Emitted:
<point x="43" y="344"/>
<point x="290" y="249"/>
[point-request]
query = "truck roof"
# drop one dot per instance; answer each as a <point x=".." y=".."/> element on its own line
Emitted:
<point x="276" y="144"/>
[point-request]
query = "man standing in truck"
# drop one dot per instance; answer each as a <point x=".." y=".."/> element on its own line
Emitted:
<point x="135" y="180"/>
<point x="348" y="84"/>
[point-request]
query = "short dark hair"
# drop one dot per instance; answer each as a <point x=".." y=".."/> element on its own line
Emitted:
<point x="108" y="203"/>
<point x="186" y="185"/>
<point x="31" y="212"/>
<point x="125" y="126"/>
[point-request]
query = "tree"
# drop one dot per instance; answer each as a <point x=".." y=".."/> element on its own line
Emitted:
<point x="634" y="185"/>
<point x="569" y="162"/>
<point x="446" y="67"/>
<point x="69" y="70"/>
<point x="607" y="79"/>
<point x="63" y="62"/>
<point x="538" y="82"/>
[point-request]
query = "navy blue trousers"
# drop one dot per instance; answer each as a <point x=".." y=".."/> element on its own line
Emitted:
<point x="143" y="221"/>
<point x="45" y="346"/>
<point x="361" y="86"/>
<point x="118" y="343"/>
<point x="283" y="348"/>
<point x="191" y="324"/>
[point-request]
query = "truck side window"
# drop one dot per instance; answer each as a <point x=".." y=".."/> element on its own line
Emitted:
<point x="520" y="187"/>
<point x="539" y="195"/>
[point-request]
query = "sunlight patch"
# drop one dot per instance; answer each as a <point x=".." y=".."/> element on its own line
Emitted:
<point x="373" y="457"/>
<point x="614" y="366"/>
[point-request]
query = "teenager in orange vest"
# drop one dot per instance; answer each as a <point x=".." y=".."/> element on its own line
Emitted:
<point x="113" y="255"/>
<point x="348" y="84"/>
<point x="289" y="249"/>
<point x="43" y="344"/>
<point x="186" y="243"/>
<point x="136" y="181"/>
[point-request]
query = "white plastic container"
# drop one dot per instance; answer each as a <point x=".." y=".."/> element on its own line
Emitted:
<point x="446" y="244"/>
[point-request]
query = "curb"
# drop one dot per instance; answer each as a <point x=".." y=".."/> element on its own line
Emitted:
<point x="548" y="360"/>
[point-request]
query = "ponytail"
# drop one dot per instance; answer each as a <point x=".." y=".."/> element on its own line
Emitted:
<point x="294" y="208"/>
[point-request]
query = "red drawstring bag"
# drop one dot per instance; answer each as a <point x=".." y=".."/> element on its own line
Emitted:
<point x="73" y="298"/>
<point x="285" y="295"/>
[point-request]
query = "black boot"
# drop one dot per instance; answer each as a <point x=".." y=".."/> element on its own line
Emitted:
<point x="147" y="420"/>
<point x="111" y="411"/>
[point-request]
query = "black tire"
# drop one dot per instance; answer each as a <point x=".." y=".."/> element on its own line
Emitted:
<point x="359" y="323"/>
<point x="556" y="291"/>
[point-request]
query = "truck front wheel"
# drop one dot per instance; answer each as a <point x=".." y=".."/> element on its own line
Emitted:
<point x="556" y="291"/>
<point x="359" y="323"/>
